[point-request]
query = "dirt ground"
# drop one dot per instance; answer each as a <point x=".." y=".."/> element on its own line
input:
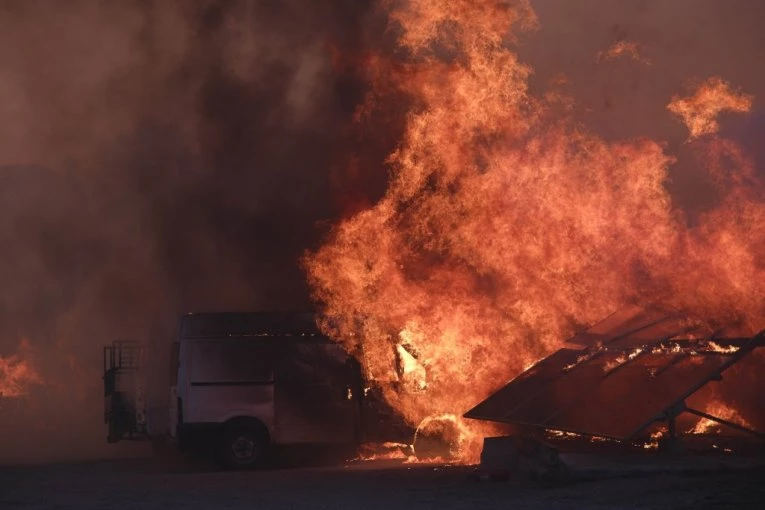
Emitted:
<point x="153" y="484"/>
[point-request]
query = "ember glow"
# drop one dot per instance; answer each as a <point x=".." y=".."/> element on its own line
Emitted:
<point x="17" y="375"/>
<point x="621" y="360"/>
<point x="715" y="347"/>
<point x="385" y="451"/>
<point x="507" y="226"/>
<point x="653" y="442"/>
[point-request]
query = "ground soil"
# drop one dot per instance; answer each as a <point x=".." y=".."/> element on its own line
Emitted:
<point x="153" y="483"/>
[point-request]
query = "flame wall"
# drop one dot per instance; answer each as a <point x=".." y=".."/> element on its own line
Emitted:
<point x="508" y="223"/>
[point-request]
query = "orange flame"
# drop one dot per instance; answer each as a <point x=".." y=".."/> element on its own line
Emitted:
<point x="17" y="374"/>
<point x="700" y="111"/>
<point x="623" y="48"/>
<point x="654" y="442"/>
<point x="720" y="410"/>
<point x="384" y="451"/>
<point x="505" y="228"/>
<point x="715" y="347"/>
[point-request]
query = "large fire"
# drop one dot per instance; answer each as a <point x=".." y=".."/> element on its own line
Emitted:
<point x="506" y="225"/>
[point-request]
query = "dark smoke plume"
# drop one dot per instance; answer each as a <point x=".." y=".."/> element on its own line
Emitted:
<point x="157" y="158"/>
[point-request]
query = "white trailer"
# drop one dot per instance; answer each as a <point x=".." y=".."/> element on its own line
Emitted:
<point x="245" y="382"/>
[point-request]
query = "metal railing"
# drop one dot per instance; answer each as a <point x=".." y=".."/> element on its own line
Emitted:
<point x="124" y="399"/>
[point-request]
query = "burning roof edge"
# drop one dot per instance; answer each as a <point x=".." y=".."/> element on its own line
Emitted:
<point x="223" y="324"/>
<point x="614" y="337"/>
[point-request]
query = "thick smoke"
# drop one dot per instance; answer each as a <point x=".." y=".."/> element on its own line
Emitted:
<point x="156" y="158"/>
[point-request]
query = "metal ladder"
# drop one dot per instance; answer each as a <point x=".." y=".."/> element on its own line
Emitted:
<point x="124" y="394"/>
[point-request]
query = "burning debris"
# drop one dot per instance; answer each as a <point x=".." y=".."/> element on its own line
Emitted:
<point x="506" y="225"/>
<point x="720" y="410"/>
<point x="654" y="441"/>
<point x="385" y="451"/>
<point x="728" y="349"/>
<point x="619" y="392"/>
<point x="621" y="360"/>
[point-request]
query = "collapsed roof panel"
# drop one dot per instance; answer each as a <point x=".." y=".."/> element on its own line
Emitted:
<point x="619" y="404"/>
<point x="627" y="377"/>
<point x="525" y="386"/>
<point x="548" y="399"/>
<point x="622" y="322"/>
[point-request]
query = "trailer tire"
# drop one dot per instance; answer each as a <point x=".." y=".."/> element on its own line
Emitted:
<point x="242" y="444"/>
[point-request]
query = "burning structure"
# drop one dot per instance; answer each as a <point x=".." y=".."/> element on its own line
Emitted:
<point x="507" y="226"/>
<point x="636" y="369"/>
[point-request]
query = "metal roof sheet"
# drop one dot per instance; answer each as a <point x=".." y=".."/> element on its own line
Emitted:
<point x="634" y="368"/>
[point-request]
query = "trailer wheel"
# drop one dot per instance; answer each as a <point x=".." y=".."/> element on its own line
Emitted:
<point x="242" y="444"/>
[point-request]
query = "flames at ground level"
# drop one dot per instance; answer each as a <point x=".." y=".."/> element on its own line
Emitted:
<point x="17" y="375"/>
<point x="451" y="440"/>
